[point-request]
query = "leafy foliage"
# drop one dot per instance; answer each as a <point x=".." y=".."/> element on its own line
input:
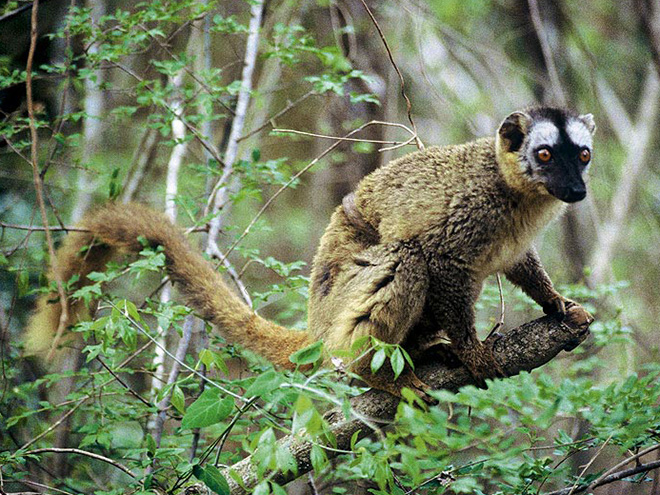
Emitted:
<point x="128" y="426"/>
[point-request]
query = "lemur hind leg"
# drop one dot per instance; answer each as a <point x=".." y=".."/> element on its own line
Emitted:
<point x="384" y="292"/>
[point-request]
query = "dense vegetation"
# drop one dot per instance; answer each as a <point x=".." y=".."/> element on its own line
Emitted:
<point x="191" y="107"/>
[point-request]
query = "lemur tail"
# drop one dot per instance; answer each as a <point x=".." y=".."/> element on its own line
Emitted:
<point x="115" y="228"/>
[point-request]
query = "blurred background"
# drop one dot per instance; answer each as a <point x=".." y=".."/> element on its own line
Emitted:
<point x="164" y="103"/>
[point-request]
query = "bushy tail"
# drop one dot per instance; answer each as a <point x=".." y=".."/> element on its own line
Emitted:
<point x="116" y="228"/>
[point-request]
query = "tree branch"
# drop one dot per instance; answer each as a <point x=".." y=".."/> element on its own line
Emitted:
<point x="521" y="349"/>
<point x="618" y="476"/>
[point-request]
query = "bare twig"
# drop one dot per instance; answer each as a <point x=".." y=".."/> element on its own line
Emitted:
<point x="85" y="453"/>
<point x="297" y="176"/>
<point x="618" y="466"/>
<point x="181" y="362"/>
<point x="419" y="143"/>
<point x="336" y="138"/>
<point x="588" y="465"/>
<point x="142" y="157"/>
<point x="180" y="355"/>
<point x="205" y="144"/>
<point x="124" y="384"/>
<point x="618" y="476"/>
<point x="82" y="400"/>
<point x="40" y="485"/>
<point x="231" y="271"/>
<point x="57" y="423"/>
<point x="271" y="120"/>
<point x="51" y="228"/>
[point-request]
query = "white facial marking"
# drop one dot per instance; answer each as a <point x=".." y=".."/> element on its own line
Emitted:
<point x="543" y="133"/>
<point x="579" y="133"/>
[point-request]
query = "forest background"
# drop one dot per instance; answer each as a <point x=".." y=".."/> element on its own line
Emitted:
<point x="224" y="115"/>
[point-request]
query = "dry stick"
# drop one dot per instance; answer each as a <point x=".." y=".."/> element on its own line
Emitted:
<point x="231" y="271"/>
<point x="58" y="422"/>
<point x="85" y="453"/>
<point x="139" y="163"/>
<point x="547" y="52"/>
<point x="270" y="121"/>
<point x="627" y="460"/>
<point x="335" y="138"/>
<point x="181" y="351"/>
<point x="124" y="384"/>
<point x="520" y="349"/>
<point x="180" y="361"/>
<point x="40" y="485"/>
<point x="38" y="184"/>
<point x="642" y="468"/>
<point x="419" y="143"/>
<point x="588" y="465"/>
<point x="41" y="229"/>
<point x="220" y="190"/>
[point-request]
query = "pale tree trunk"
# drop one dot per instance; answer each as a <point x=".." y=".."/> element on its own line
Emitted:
<point x="93" y="124"/>
<point x="171" y="188"/>
<point x="637" y="139"/>
<point x="220" y="193"/>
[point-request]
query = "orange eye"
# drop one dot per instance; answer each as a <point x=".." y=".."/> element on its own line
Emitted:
<point x="585" y="155"/>
<point x="544" y="155"/>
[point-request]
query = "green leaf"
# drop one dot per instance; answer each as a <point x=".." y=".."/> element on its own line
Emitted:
<point x="23" y="283"/>
<point x="398" y="362"/>
<point x="268" y="381"/>
<point x="212" y="477"/>
<point x="307" y="355"/>
<point x="277" y="489"/>
<point x="178" y="400"/>
<point x="207" y="410"/>
<point x="131" y="310"/>
<point x="378" y="360"/>
<point x="151" y="446"/>
<point x="318" y="458"/>
<point x="354" y="439"/>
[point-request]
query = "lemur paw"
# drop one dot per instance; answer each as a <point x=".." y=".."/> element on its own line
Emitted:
<point x="556" y="306"/>
<point x="576" y="316"/>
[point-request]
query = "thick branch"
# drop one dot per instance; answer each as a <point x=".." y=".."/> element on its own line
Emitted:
<point x="520" y="349"/>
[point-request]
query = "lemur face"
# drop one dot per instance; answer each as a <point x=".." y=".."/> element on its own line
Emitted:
<point x="554" y="148"/>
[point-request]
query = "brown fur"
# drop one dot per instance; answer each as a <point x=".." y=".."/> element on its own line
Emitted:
<point x="116" y="228"/>
<point x="403" y="260"/>
<point x="446" y="218"/>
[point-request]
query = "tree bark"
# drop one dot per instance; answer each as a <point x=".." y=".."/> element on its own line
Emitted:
<point x="521" y="349"/>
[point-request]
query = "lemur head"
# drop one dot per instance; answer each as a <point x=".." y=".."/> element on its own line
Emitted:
<point x="546" y="150"/>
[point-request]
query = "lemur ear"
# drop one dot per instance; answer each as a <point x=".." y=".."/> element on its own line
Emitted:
<point x="588" y="120"/>
<point x="513" y="129"/>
